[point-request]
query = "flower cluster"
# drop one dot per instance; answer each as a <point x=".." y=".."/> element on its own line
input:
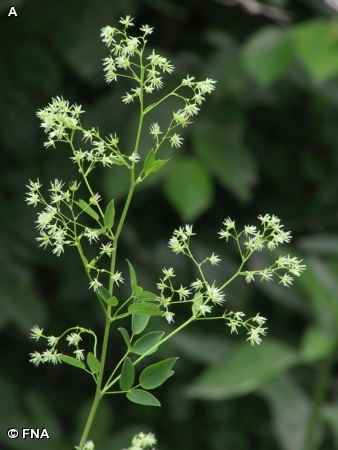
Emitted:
<point x="235" y="320"/>
<point x="271" y="235"/>
<point x="52" y="224"/>
<point x="51" y="355"/>
<point x="89" y="445"/>
<point x="60" y="120"/>
<point x="142" y="441"/>
<point x="59" y="117"/>
<point x="127" y="56"/>
<point x="123" y="49"/>
<point x="207" y="295"/>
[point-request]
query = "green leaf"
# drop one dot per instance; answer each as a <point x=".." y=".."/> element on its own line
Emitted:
<point x="316" y="44"/>
<point x="156" y="165"/>
<point x="87" y="209"/>
<point x="112" y="301"/>
<point x="133" y="279"/>
<point x="149" y="161"/>
<point x="93" y="363"/>
<point x="104" y="293"/>
<point x="127" y="375"/>
<point x="72" y="361"/>
<point x="126" y="338"/>
<point x="109" y="215"/>
<point x="226" y="157"/>
<point x="317" y="344"/>
<point x="156" y="374"/>
<point x="148" y="341"/>
<point x="107" y="297"/>
<point x="119" y="160"/>
<point x="145" y="296"/>
<point x="246" y="369"/>
<point x="197" y="301"/>
<point x="188" y="187"/>
<point x="139" y="322"/>
<point x="136" y="288"/>
<point x="149" y="108"/>
<point x="145" y="308"/>
<point x="142" y="398"/>
<point x="268" y="53"/>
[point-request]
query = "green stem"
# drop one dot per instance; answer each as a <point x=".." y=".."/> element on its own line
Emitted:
<point x="187" y="322"/>
<point x="98" y="393"/>
<point x="318" y="398"/>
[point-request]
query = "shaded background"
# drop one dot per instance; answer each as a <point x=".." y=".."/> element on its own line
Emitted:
<point x="266" y="141"/>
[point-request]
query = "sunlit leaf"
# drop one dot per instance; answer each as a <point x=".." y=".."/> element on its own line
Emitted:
<point x="156" y="374"/>
<point x="142" y="398"/>
<point x="148" y="341"/>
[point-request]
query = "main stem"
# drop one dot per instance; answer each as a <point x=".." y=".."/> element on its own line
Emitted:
<point x="98" y="391"/>
<point x="98" y="394"/>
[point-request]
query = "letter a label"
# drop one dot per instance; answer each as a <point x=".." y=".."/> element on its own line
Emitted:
<point x="12" y="12"/>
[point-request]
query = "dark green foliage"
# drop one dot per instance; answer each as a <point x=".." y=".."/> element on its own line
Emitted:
<point x="266" y="141"/>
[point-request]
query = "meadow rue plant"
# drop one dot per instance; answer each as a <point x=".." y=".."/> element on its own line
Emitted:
<point x="67" y="220"/>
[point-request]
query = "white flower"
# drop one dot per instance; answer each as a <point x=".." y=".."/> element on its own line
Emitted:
<point x="286" y="280"/>
<point x="127" y="98"/>
<point x="176" y="140"/>
<point x="33" y="198"/>
<point x="36" y="358"/>
<point x="175" y="245"/>
<point x="58" y="249"/>
<point x="95" y="284"/>
<point x="106" y="249"/>
<point x="168" y="273"/>
<point x="146" y="29"/>
<point x="169" y="316"/>
<point x="34" y="185"/>
<point x="183" y="292"/>
<point x="127" y="22"/>
<point x="155" y="129"/>
<point x="91" y="234"/>
<point x="204" y="309"/>
<point x="250" y="229"/>
<point x="135" y="157"/>
<point x="229" y="223"/>
<point x="52" y="340"/>
<point x="188" y="81"/>
<point x="254" y="334"/>
<point x="51" y="356"/>
<point x="79" y="354"/>
<point x="197" y="285"/>
<point x="117" y="278"/>
<point x="266" y="275"/>
<point x="36" y="333"/>
<point x="206" y="86"/>
<point x="215" y="295"/>
<point x="214" y="259"/>
<point x="249" y="276"/>
<point x="73" y="338"/>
